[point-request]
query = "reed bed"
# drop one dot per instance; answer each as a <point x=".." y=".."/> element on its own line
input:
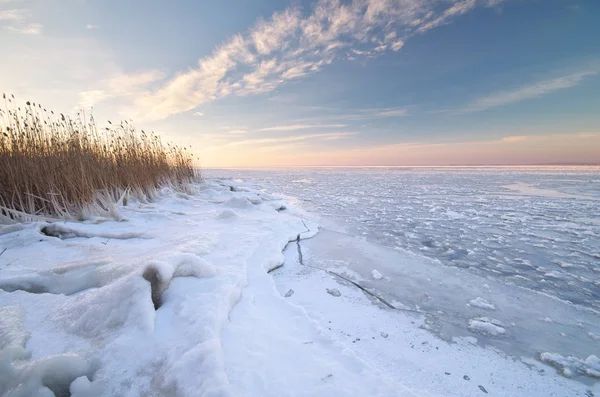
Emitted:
<point x="52" y="166"/>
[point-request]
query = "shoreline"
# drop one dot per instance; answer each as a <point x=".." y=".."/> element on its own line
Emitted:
<point x="405" y="340"/>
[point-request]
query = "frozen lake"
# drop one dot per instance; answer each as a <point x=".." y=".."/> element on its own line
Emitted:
<point x="518" y="247"/>
<point x="537" y="228"/>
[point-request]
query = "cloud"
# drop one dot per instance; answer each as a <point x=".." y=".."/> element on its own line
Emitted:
<point x="527" y="92"/>
<point x="296" y="138"/>
<point x="291" y="45"/>
<point x="19" y="17"/>
<point x="119" y="85"/>
<point x="31" y="29"/>
<point x="556" y="148"/>
<point x="516" y="138"/>
<point x="393" y="112"/>
<point x="459" y="8"/>
<point x="12" y="15"/>
<point x="295" y="127"/>
<point x="199" y="114"/>
<point x="91" y="26"/>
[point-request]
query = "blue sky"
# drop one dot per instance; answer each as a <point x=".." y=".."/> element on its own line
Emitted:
<point x="364" y="82"/>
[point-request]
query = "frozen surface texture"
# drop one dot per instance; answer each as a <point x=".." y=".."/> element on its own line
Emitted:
<point x="534" y="227"/>
<point x="78" y="312"/>
<point x="469" y="248"/>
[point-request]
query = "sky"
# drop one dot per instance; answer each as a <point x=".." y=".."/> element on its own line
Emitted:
<point x="267" y="83"/>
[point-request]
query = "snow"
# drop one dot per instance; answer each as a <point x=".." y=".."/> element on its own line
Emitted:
<point x="82" y="387"/>
<point x="78" y="305"/>
<point x="79" y="312"/>
<point x="481" y="303"/>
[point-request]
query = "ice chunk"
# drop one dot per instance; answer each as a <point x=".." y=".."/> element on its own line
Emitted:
<point x="481" y="303"/>
<point x="376" y="275"/>
<point x="589" y="366"/>
<point x="486" y="326"/>
<point x="334" y="292"/>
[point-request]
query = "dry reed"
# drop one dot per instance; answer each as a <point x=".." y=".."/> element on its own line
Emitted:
<point x="52" y="166"/>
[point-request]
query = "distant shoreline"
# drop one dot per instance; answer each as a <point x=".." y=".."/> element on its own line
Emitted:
<point x="283" y="167"/>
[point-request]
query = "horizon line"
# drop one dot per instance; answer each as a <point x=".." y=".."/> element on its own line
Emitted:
<point x="541" y="165"/>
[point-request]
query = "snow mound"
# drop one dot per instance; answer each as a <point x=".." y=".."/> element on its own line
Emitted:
<point x="588" y="367"/>
<point x="190" y="265"/>
<point x="227" y="214"/>
<point x="376" y="275"/>
<point x="238" y="202"/>
<point x="254" y="200"/>
<point x="481" y="303"/>
<point x="486" y="326"/>
<point x="47" y="377"/>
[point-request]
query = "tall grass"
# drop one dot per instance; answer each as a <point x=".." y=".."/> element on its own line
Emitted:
<point x="52" y="166"/>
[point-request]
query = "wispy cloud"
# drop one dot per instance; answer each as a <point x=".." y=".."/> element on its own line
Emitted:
<point x="516" y="138"/>
<point x="291" y="45"/>
<point x="296" y="138"/>
<point x="91" y="26"/>
<point x="120" y="85"/>
<point x="237" y="131"/>
<point x="531" y="91"/>
<point x="459" y="8"/>
<point x="295" y="127"/>
<point x="12" y="15"/>
<point x="31" y="29"/>
<point x="199" y="114"/>
<point x="392" y="112"/>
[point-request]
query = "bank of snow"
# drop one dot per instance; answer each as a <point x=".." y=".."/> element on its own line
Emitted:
<point x="76" y="306"/>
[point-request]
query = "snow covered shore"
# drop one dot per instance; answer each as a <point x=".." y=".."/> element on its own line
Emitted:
<point x="77" y="316"/>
